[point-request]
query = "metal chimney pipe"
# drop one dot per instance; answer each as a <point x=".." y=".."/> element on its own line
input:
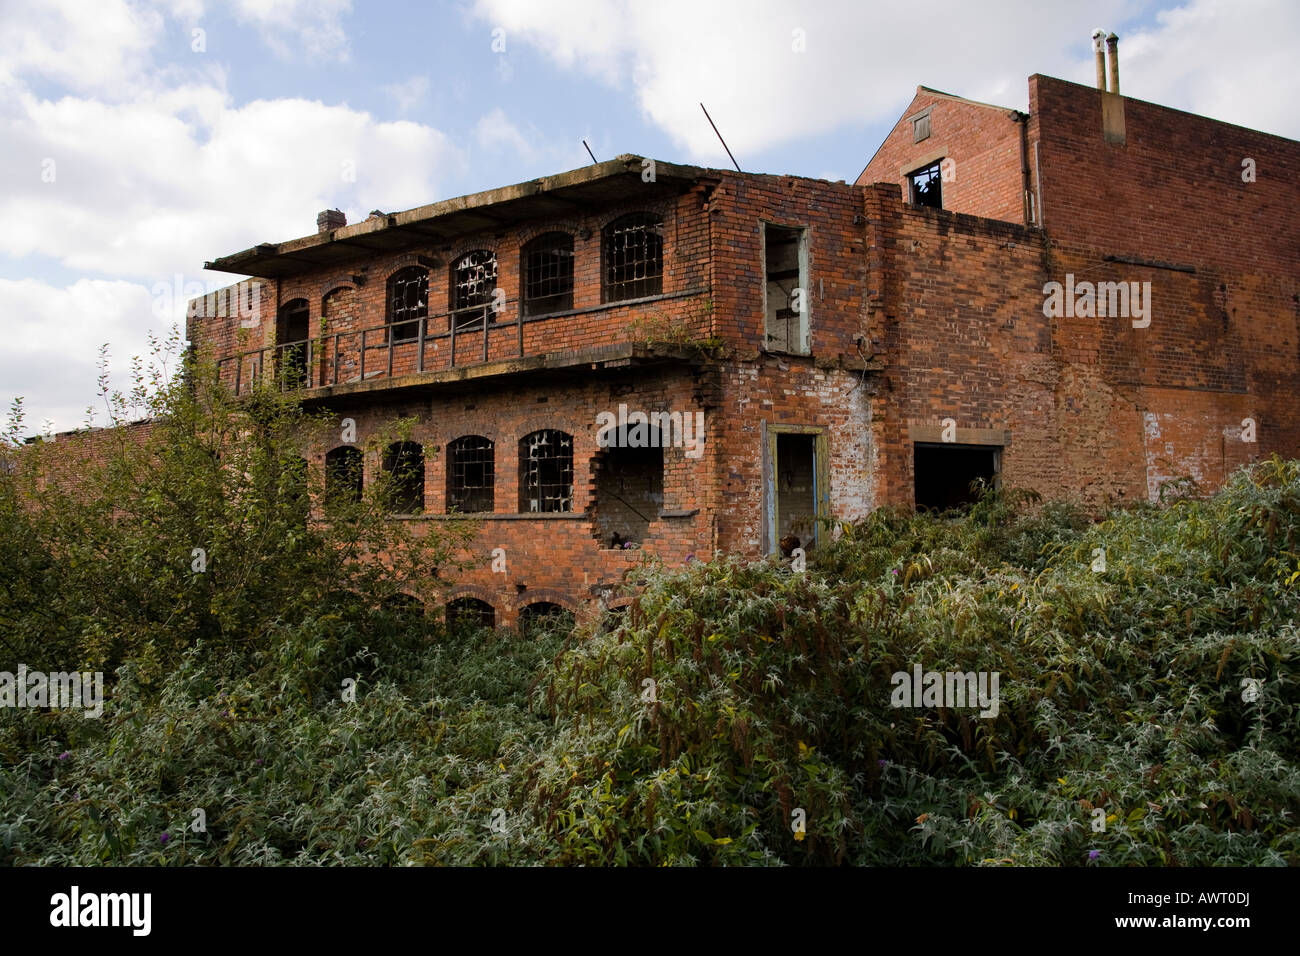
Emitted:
<point x="1112" y="48"/>
<point x="1099" y="51"/>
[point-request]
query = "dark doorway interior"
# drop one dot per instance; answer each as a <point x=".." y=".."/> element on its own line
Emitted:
<point x="943" y="473"/>
<point x="796" y="490"/>
<point x="629" y="494"/>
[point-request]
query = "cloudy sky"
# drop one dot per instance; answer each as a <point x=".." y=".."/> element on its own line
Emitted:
<point x="140" y="139"/>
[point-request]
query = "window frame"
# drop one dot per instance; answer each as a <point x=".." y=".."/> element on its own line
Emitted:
<point x="934" y="182"/>
<point x="421" y="309"/>
<point x="649" y="224"/>
<point x="547" y="242"/>
<point x="527" y="485"/>
<point x="458" y="494"/>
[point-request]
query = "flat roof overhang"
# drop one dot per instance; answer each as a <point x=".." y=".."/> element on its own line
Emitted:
<point x="560" y="195"/>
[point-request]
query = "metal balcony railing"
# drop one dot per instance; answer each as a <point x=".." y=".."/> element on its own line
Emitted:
<point x="358" y="355"/>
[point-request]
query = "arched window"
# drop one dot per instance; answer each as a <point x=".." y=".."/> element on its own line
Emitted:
<point x="548" y="274"/>
<point x="292" y="328"/>
<point x="468" y="612"/>
<point x="404" y="463"/>
<point x="633" y="254"/>
<point x="471" y="464"/>
<point x="546" y="471"/>
<point x="406" y="608"/>
<point x="408" y="302"/>
<point x="344" y="472"/>
<point x="543" y="615"/>
<point x="473" y="283"/>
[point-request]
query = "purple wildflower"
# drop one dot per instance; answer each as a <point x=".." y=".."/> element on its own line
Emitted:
<point x="1093" y="854"/>
<point x="881" y="762"/>
<point x="65" y="755"/>
<point x="165" y="837"/>
<point x="259" y="761"/>
<point x="894" y="571"/>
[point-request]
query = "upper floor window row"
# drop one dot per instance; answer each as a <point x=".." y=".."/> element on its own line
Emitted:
<point x="632" y="267"/>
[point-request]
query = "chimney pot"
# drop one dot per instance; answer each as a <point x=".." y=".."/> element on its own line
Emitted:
<point x="329" y="220"/>
<point x="1112" y="48"/>
<point x="1099" y="53"/>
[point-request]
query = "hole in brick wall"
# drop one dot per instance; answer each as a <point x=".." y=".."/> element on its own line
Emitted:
<point x="344" y="475"/>
<point x="629" y="493"/>
<point x="785" y="275"/>
<point x="546" y="471"/>
<point x="292" y="327"/>
<point x="404" y="463"/>
<point x="943" y="474"/>
<point x="796" y="492"/>
<point x="471" y="465"/>
<point x="468" y="613"/>
<point x="544" y="615"/>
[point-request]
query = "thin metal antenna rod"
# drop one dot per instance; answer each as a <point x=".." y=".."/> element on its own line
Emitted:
<point x="589" y="152"/>
<point x="720" y="139"/>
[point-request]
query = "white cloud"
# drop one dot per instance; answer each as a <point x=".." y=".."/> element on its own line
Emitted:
<point x="495" y="132"/>
<point x="407" y="94"/>
<point x="161" y="184"/>
<point x="52" y="347"/>
<point x="296" y="29"/>
<point x="862" y="62"/>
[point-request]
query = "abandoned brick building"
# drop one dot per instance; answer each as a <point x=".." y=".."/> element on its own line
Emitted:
<point x="801" y="349"/>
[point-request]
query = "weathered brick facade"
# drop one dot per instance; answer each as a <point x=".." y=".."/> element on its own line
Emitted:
<point x="926" y="327"/>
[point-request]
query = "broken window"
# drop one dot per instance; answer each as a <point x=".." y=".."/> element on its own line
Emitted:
<point x="406" y="609"/>
<point x="785" y="268"/>
<point x="544" y="615"/>
<point x="923" y="186"/>
<point x="473" y="283"/>
<point x="633" y="251"/>
<point x="408" y="302"/>
<point x="943" y="474"/>
<point x="468" y="612"/>
<point x="546" y="471"/>
<point x="470" y="467"/>
<point x="404" y="464"/>
<point x="292" y="327"/>
<point x="629" y="494"/>
<point x="548" y="274"/>
<point x="343" y="475"/>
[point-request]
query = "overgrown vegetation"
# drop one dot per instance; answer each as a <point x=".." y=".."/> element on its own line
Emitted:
<point x="729" y="702"/>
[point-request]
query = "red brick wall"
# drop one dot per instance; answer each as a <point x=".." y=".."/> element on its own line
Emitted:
<point x="983" y="142"/>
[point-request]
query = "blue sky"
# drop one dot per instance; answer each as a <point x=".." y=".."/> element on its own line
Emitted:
<point x="136" y="149"/>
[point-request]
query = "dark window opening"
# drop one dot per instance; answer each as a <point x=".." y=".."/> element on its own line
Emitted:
<point x="471" y="462"/>
<point x="406" y="608"/>
<point x="292" y="328"/>
<point x="473" y="285"/>
<point x="544" y="615"/>
<point x="404" y="464"/>
<point x="629" y="494"/>
<point x="546" y="471"/>
<point x="633" y="250"/>
<point x="344" y="475"/>
<point x="470" y="613"/>
<point x="796" y="492"/>
<point x="548" y="274"/>
<point x="408" y="302"/>
<point x="944" y="474"/>
<point x="924" y="188"/>
<point x="785" y="268"/>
